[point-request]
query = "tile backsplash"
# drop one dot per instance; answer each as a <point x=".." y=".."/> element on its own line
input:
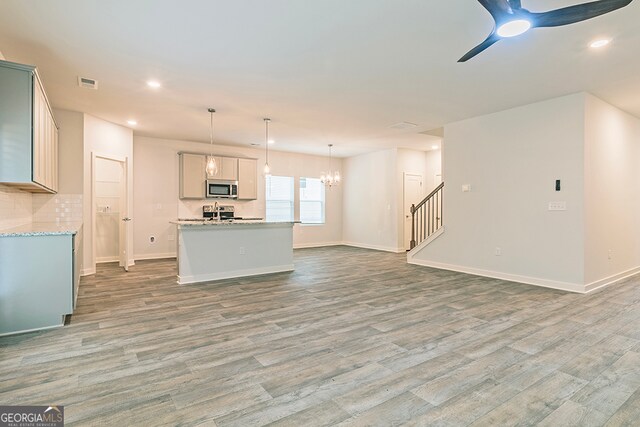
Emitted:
<point x="16" y="207"/>
<point x="57" y="207"/>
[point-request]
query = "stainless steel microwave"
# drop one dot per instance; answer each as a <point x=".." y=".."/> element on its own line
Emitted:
<point x="218" y="189"/>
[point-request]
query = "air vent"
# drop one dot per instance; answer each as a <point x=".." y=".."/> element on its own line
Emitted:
<point x="403" y="125"/>
<point x="87" y="83"/>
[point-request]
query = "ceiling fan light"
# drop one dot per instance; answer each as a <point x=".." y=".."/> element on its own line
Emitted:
<point x="596" y="44"/>
<point x="514" y="28"/>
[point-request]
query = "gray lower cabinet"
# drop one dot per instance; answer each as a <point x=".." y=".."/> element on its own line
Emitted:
<point x="39" y="279"/>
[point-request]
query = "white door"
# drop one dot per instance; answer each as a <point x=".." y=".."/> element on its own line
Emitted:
<point x="110" y="197"/>
<point x="413" y="194"/>
<point x="125" y="223"/>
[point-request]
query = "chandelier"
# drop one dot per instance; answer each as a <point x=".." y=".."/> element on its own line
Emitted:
<point x="330" y="178"/>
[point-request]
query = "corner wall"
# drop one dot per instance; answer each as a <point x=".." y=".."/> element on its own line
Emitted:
<point x="612" y="193"/>
<point x="511" y="160"/>
<point x="370" y="210"/>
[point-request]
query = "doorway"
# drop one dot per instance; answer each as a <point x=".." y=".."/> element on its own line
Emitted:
<point x="413" y="193"/>
<point x="111" y="221"/>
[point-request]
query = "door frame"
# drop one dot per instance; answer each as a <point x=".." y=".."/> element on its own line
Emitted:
<point x="407" y="244"/>
<point x="125" y="185"/>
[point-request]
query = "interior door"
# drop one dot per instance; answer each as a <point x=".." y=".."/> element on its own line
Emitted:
<point x="413" y="194"/>
<point x="125" y="223"/>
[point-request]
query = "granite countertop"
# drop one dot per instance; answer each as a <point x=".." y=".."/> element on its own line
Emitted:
<point x="42" y="229"/>
<point x="227" y="223"/>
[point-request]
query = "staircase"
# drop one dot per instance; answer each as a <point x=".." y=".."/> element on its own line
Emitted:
<point x="426" y="216"/>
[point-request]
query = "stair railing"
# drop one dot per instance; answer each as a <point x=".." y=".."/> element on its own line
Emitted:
<point x="426" y="216"/>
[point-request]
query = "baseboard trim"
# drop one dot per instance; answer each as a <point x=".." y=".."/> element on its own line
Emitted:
<point x="155" y="256"/>
<point x="316" y="245"/>
<point x="375" y="247"/>
<point x="608" y="281"/>
<point x="199" y="278"/>
<point x="105" y="259"/>
<point x="425" y="243"/>
<point x="88" y="271"/>
<point x="553" y="284"/>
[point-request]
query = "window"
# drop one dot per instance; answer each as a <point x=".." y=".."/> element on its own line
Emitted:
<point x="279" y="197"/>
<point x="311" y="201"/>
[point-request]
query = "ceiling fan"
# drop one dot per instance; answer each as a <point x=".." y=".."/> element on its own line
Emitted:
<point x="511" y="19"/>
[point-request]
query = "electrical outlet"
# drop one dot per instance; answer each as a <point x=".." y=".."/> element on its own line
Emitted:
<point x="610" y="254"/>
<point x="152" y="239"/>
<point x="242" y="251"/>
<point x="498" y="251"/>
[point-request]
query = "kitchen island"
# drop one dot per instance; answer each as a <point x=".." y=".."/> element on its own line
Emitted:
<point x="213" y="250"/>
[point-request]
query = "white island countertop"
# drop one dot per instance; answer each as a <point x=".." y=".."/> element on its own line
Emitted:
<point x="42" y="229"/>
<point x="234" y="222"/>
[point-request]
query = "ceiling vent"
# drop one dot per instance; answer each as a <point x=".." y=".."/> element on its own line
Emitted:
<point x="87" y="83"/>
<point x="403" y="125"/>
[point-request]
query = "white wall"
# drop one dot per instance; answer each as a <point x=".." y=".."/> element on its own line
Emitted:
<point x="370" y="211"/>
<point x="612" y="191"/>
<point x="16" y="207"/>
<point x="373" y="215"/>
<point x="70" y="151"/>
<point x="511" y="159"/>
<point x="108" y="139"/>
<point x="156" y="188"/>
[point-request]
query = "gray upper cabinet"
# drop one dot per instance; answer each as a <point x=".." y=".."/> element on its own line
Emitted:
<point x="227" y="169"/>
<point x="28" y="132"/>
<point x="192" y="176"/>
<point x="247" y="179"/>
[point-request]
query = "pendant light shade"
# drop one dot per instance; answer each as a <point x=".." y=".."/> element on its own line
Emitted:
<point x="212" y="165"/>
<point x="330" y="178"/>
<point x="267" y="168"/>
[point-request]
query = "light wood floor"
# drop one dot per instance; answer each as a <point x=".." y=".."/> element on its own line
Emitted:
<point x="352" y="337"/>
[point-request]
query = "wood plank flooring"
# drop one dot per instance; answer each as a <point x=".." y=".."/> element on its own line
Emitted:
<point x="351" y="337"/>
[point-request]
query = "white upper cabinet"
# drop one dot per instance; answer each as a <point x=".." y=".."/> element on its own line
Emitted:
<point x="28" y="132"/>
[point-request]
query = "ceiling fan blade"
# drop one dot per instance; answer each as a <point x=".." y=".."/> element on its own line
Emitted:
<point x="497" y="8"/>
<point x="515" y="4"/>
<point x="577" y="13"/>
<point x="493" y="37"/>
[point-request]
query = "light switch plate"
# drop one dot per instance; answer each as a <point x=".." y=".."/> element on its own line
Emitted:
<point x="557" y="206"/>
<point x="466" y="188"/>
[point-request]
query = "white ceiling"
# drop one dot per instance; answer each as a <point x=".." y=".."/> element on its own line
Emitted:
<point x="324" y="71"/>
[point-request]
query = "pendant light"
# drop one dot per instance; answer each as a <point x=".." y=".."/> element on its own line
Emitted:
<point x="267" y="169"/>
<point x="212" y="166"/>
<point x="331" y="178"/>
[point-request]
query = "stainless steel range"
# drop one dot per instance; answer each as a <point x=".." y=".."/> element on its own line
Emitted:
<point x="219" y="212"/>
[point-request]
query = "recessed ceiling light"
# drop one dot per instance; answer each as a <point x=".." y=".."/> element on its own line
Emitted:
<point x="271" y="141"/>
<point x="153" y="83"/>
<point x="514" y="28"/>
<point x="596" y="44"/>
<point x="434" y="147"/>
<point x="132" y="122"/>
